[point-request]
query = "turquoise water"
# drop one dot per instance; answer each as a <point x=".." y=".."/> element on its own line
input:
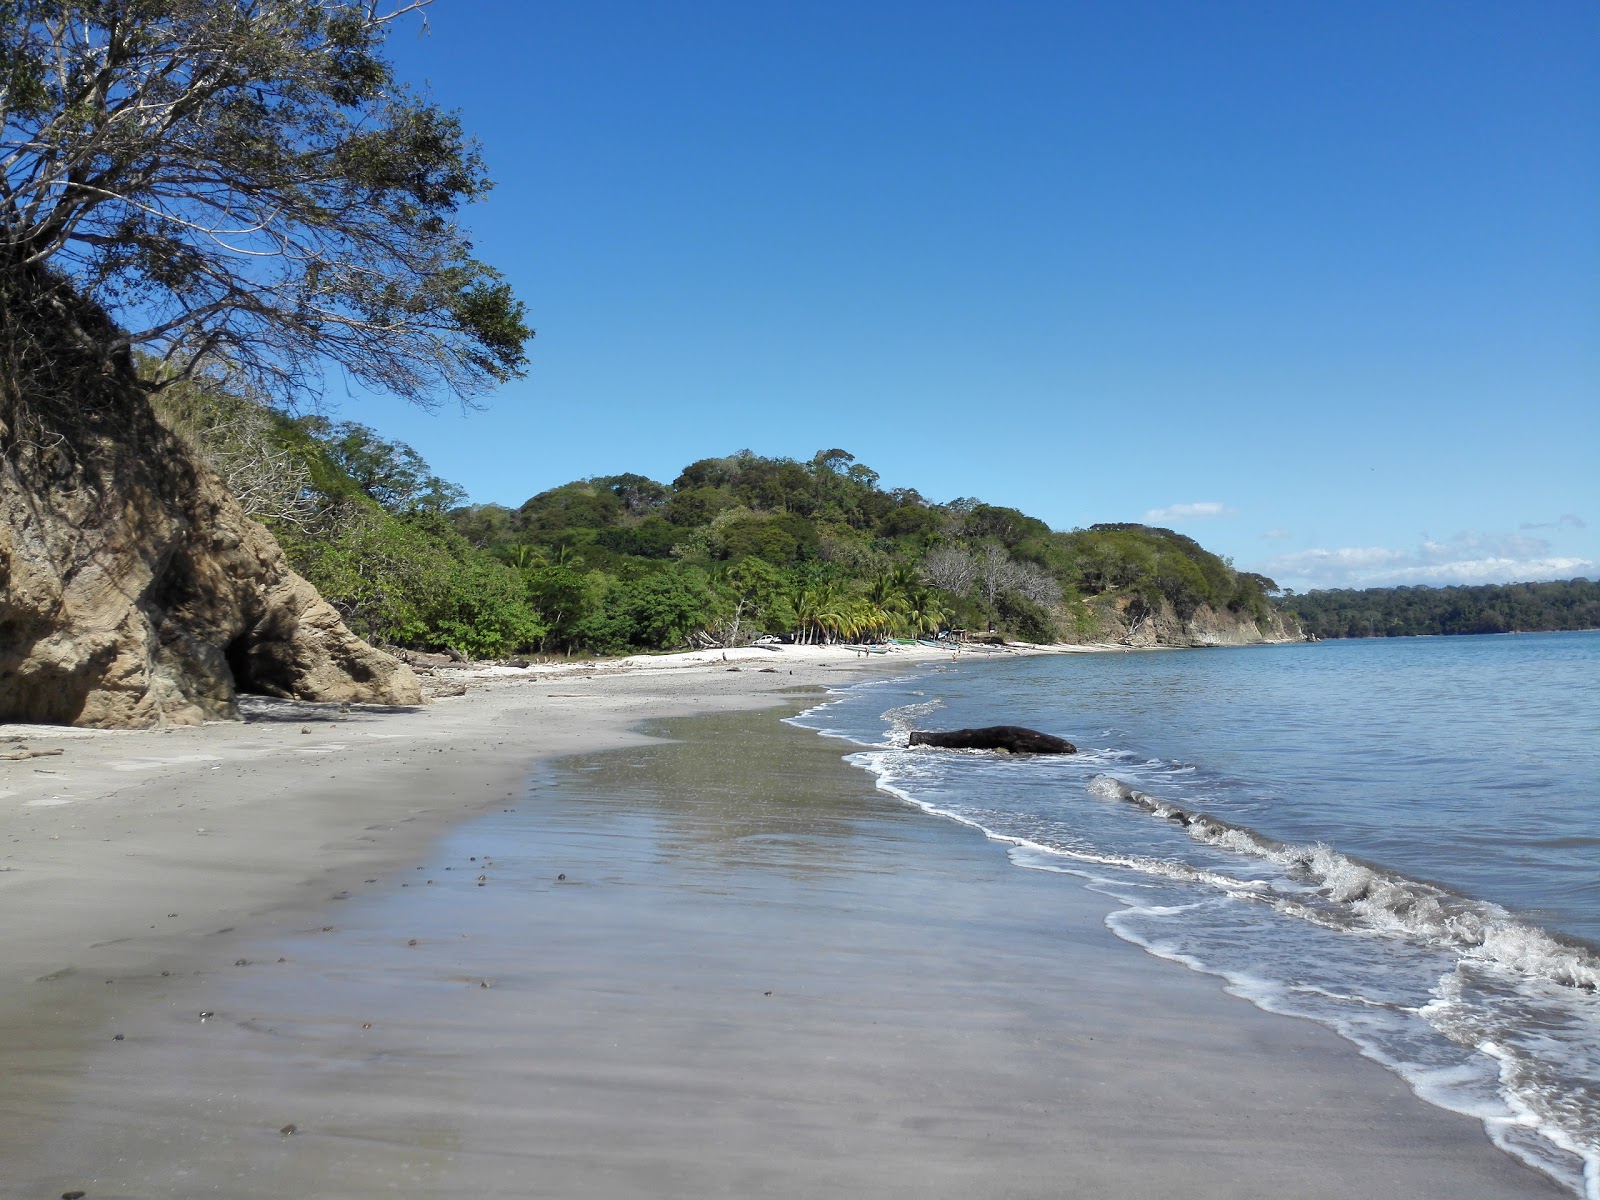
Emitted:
<point x="1398" y="838"/>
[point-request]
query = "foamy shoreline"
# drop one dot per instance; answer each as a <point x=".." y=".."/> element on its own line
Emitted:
<point x="133" y="861"/>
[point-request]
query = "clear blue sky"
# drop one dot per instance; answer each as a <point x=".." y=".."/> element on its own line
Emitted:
<point x="1318" y="284"/>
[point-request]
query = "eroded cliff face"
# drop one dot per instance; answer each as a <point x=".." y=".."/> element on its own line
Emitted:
<point x="133" y="589"/>
<point x="1131" y="624"/>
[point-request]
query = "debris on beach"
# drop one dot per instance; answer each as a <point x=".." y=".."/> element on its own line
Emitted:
<point x="1012" y="739"/>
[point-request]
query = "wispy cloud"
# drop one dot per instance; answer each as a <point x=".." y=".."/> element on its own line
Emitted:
<point x="1469" y="557"/>
<point x="1190" y="512"/>
<point x="1564" y="521"/>
<point x="1277" y="535"/>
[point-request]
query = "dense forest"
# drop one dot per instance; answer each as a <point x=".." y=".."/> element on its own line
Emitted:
<point x="731" y="549"/>
<point x="1409" y="611"/>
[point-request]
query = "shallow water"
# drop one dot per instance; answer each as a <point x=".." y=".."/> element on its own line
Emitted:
<point x="1399" y="839"/>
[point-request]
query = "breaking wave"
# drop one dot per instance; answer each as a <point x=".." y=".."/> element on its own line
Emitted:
<point x="1481" y="1009"/>
<point x="1343" y="891"/>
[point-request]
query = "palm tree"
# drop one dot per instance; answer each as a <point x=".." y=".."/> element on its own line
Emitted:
<point x="923" y="613"/>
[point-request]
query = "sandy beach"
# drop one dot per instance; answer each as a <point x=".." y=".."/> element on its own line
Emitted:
<point x="757" y="977"/>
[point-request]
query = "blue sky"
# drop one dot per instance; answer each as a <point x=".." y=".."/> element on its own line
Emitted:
<point x="1318" y="284"/>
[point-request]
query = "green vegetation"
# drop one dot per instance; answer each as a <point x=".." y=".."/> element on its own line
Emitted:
<point x="731" y="549"/>
<point x="249" y="192"/>
<point x="228" y="201"/>
<point x="1410" y="611"/>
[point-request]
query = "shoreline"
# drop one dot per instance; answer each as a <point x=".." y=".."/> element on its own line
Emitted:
<point x="299" y="796"/>
<point x="236" y="831"/>
<point x="140" y="855"/>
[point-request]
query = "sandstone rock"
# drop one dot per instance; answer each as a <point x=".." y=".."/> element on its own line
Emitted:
<point x="1120" y="620"/>
<point x="133" y="589"/>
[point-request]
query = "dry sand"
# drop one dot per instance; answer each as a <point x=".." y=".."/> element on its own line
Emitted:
<point x="939" y="1024"/>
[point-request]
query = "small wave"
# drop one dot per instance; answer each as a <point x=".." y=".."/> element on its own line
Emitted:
<point x="1164" y="868"/>
<point x="901" y="719"/>
<point x="1384" y="901"/>
<point x="1321" y="935"/>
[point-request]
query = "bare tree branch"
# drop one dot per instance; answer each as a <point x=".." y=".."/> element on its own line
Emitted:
<point x="247" y="181"/>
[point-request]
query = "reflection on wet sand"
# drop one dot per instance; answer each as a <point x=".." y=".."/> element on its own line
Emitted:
<point x="720" y="964"/>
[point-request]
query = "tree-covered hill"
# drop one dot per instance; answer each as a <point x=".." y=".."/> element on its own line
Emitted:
<point x="1410" y="611"/>
<point x="731" y="549"/>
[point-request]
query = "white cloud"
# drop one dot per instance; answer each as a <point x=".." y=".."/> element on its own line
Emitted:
<point x="1470" y="557"/>
<point x="1277" y="535"/>
<point x="1564" y="521"/>
<point x="1189" y="512"/>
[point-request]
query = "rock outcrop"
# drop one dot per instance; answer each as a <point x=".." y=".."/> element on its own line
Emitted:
<point x="1013" y="739"/>
<point x="133" y="589"/>
<point x="1128" y="621"/>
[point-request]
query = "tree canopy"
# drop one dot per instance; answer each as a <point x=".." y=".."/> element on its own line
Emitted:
<point x="1484" y="608"/>
<point x="734" y="547"/>
<point x="246" y="186"/>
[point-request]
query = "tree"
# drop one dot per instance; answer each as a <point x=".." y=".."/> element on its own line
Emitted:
<point x="391" y="474"/>
<point x="836" y="461"/>
<point x="999" y="574"/>
<point x="248" y="189"/>
<point x="259" y="453"/>
<point x="951" y="568"/>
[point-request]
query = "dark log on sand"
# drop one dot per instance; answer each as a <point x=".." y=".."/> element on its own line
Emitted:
<point x="1013" y="739"/>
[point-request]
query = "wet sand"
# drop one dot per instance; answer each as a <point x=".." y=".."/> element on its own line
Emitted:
<point x="758" y="978"/>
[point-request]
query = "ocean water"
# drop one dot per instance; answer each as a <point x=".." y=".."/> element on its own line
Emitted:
<point x="1399" y="839"/>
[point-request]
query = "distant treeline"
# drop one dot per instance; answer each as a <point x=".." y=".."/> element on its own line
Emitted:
<point x="1412" y="611"/>
<point x="731" y="549"/>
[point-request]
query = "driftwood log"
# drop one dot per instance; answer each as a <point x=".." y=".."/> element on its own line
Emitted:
<point x="1013" y="739"/>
